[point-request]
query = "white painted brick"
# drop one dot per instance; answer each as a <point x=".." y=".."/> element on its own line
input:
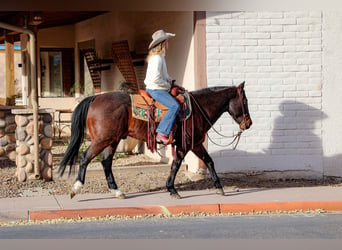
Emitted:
<point x="296" y="68"/>
<point x="309" y="151"/>
<point x="232" y="22"/>
<point x="214" y="54"/>
<point x="258" y="35"/>
<point x="270" y="15"/>
<point x="297" y="55"/>
<point x="258" y="49"/>
<point x="296" y="93"/>
<point x="272" y="55"/>
<point x="224" y="75"/>
<point x="239" y="29"/>
<point x="213" y="44"/>
<point x="214" y="29"/>
<point x="249" y="15"/>
<point x="308" y="20"/>
<point x="232" y="49"/>
<point x="282" y="75"/>
<point x="263" y="42"/>
<point x="244" y="69"/>
<point x="213" y="62"/>
<point x="284" y="21"/>
<point x="283" y="48"/>
<point x="271" y="81"/>
<point x="230" y="62"/>
<point x="224" y="43"/>
<point x="315" y="27"/>
<point x="258" y="21"/>
<point x="267" y="107"/>
<point x="270" y="69"/>
<point x="283" y="61"/>
<point x="212" y="36"/>
<point x="271" y="28"/>
<point x="294" y="107"/>
<point x="315" y="55"/>
<point x="315" y="93"/>
<point x="315" y="34"/>
<point x="283" y="88"/>
<point x="245" y="42"/>
<point x="315" y="41"/>
<point x="309" y="48"/>
<point x="250" y="55"/>
<point x="295" y="14"/>
<point x="283" y="67"/>
<point x="315" y="68"/>
<point x="308" y="74"/>
<point x="310" y="61"/>
<point x="283" y="35"/>
<point x="284" y="151"/>
<point x="258" y="62"/>
<point x="232" y="35"/>
<point x="296" y="28"/>
<point x="296" y="41"/>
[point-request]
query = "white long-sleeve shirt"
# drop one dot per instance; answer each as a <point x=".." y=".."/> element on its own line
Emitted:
<point x="157" y="76"/>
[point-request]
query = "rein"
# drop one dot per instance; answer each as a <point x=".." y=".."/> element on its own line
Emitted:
<point x="236" y="137"/>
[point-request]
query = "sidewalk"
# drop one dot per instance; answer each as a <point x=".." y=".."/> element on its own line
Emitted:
<point x="327" y="198"/>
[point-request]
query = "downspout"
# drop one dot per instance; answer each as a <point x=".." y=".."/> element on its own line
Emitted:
<point x="34" y="92"/>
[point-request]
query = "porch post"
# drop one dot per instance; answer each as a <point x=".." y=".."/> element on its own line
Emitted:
<point x="200" y="57"/>
<point x="10" y="95"/>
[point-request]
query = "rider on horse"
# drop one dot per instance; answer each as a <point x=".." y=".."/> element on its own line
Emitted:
<point x="159" y="83"/>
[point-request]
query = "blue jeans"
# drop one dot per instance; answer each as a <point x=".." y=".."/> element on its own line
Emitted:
<point x="167" y="100"/>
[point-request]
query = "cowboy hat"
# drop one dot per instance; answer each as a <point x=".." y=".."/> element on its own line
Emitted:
<point x="158" y="37"/>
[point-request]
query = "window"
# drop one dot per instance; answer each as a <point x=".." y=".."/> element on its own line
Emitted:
<point x="57" y="72"/>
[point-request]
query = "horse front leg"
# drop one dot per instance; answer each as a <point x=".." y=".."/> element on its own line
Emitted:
<point x="202" y="153"/>
<point x="170" y="183"/>
<point x="107" y="161"/>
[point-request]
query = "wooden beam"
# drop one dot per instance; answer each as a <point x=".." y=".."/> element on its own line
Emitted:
<point x="10" y="88"/>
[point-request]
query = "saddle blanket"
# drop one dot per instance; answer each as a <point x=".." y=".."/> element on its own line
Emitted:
<point x="141" y="103"/>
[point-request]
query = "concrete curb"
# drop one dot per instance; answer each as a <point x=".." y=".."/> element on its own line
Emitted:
<point x="328" y="206"/>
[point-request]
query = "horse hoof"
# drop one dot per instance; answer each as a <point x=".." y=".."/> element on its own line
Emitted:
<point x="72" y="194"/>
<point x="219" y="191"/>
<point x="175" y="196"/>
<point x="121" y="196"/>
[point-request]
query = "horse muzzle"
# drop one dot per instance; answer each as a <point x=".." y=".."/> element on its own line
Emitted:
<point x="246" y="122"/>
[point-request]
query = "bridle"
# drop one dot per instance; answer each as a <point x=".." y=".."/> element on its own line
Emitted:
<point x="245" y="115"/>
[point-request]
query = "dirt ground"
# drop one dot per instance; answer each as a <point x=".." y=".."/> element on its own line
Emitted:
<point x="133" y="173"/>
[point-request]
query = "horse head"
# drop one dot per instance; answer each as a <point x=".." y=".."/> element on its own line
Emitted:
<point x="238" y="108"/>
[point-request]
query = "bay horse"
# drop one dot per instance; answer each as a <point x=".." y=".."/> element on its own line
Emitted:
<point x="108" y="118"/>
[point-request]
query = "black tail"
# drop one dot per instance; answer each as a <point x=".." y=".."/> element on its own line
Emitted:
<point x="78" y="126"/>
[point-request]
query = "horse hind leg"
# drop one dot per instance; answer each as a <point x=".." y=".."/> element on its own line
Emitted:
<point x="79" y="183"/>
<point x="174" y="170"/>
<point x="85" y="158"/>
<point x="107" y="161"/>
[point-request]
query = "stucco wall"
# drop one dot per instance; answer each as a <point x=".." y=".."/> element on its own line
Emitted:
<point x="291" y="62"/>
<point x="137" y="28"/>
<point x="331" y="93"/>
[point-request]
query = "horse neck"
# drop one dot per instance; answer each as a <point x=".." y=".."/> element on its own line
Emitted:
<point x="214" y="101"/>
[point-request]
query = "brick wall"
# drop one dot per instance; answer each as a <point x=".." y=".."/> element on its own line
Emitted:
<point x="279" y="55"/>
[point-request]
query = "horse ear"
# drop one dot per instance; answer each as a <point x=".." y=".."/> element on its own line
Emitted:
<point x="242" y="85"/>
